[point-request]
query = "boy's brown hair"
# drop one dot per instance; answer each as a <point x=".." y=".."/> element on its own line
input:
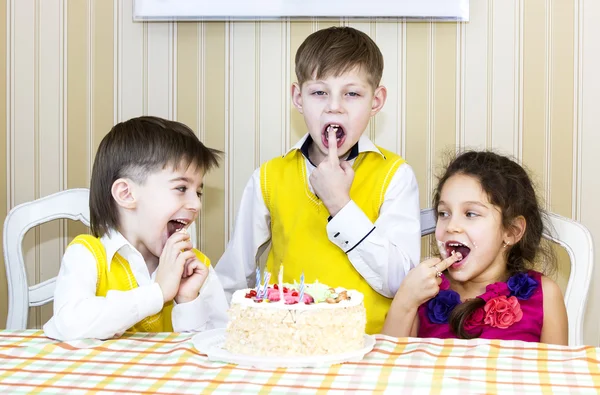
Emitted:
<point x="134" y="149"/>
<point x="336" y="50"/>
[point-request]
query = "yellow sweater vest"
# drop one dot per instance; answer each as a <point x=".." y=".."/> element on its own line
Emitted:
<point x="299" y="238"/>
<point x="121" y="278"/>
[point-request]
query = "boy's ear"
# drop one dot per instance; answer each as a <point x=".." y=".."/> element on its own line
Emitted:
<point x="297" y="97"/>
<point x="122" y="192"/>
<point x="379" y="97"/>
<point x="515" y="233"/>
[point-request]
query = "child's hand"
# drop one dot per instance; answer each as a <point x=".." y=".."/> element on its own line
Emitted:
<point x="332" y="180"/>
<point x="175" y="254"/>
<point x="422" y="283"/>
<point x="194" y="276"/>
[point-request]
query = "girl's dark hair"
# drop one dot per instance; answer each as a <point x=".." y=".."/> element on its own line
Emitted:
<point x="134" y="149"/>
<point x="509" y="188"/>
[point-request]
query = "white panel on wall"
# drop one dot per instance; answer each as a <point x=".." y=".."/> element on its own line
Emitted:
<point x="159" y="69"/>
<point x="476" y="78"/>
<point x="243" y="9"/>
<point x="505" y="77"/>
<point x="243" y="121"/>
<point x="388" y="123"/>
<point x="131" y="68"/>
<point x="273" y="89"/>
<point x="589" y="144"/>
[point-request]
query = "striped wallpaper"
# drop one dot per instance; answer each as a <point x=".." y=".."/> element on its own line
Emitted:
<point x="521" y="77"/>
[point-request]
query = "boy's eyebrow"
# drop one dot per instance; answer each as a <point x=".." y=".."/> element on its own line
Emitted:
<point x="182" y="178"/>
<point x="355" y="83"/>
<point x="185" y="179"/>
<point x="359" y="84"/>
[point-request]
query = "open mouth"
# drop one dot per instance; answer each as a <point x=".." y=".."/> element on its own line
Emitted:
<point x="452" y="247"/>
<point x="340" y="134"/>
<point x="175" y="225"/>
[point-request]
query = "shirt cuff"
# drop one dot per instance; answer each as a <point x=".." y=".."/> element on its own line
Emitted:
<point x="148" y="300"/>
<point x="192" y="315"/>
<point x="349" y="227"/>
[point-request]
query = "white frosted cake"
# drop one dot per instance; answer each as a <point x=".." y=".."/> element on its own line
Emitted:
<point x="275" y="323"/>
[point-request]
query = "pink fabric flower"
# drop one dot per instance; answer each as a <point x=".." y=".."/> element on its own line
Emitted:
<point x="475" y="320"/>
<point x="494" y="290"/>
<point x="501" y="312"/>
<point x="445" y="283"/>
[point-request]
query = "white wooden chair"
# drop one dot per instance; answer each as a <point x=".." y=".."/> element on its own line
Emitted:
<point x="69" y="204"/>
<point x="577" y="241"/>
<point x="72" y="204"/>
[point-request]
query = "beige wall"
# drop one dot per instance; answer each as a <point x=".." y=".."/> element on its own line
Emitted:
<point x="521" y="77"/>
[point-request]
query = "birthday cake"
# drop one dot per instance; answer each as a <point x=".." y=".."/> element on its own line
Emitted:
<point x="292" y="320"/>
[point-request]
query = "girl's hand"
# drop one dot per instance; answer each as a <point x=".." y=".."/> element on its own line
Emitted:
<point x="423" y="282"/>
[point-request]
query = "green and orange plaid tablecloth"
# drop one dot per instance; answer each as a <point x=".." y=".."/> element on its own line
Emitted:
<point x="169" y="363"/>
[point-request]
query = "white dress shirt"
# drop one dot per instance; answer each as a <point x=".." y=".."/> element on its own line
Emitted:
<point x="382" y="252"/>
<point x="79" y="313"/>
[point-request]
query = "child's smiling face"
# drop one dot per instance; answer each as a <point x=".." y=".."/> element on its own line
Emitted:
<point x="167" y="201"/>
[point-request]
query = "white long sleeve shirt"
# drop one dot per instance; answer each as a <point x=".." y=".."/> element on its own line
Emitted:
<point x="382" y="252"/>
<point x="79" y="313"/>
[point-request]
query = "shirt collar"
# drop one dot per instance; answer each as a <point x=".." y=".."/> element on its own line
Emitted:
<point x="114" y="242"/>
<point x="364" y="144"/>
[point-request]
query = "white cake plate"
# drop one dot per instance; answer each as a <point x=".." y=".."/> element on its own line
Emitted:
<point x="211" y="343"/>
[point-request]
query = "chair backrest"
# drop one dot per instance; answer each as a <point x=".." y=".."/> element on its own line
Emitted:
<point x="69" y="204"/>
<point x="577" y="241"/>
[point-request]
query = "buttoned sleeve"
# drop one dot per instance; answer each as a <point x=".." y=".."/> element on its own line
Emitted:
<point x="384" y="251"/>
<point x="207" y="311"/>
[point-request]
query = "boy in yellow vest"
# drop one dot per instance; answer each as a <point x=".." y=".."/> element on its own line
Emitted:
<point x="139" y="271"/>
<point x="335" y="206"/>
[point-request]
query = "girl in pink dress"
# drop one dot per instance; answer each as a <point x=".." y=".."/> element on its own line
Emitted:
<point x="489" y="231"/>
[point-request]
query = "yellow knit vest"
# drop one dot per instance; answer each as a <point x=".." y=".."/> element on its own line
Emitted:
<point x="121" y="278"/>
<point x="299" y="238"/>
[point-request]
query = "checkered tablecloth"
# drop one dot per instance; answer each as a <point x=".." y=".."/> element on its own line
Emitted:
<point x="169" y="363"/>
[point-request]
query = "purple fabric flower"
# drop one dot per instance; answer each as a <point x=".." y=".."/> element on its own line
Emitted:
<point x="522" y="285"/>
<point x="440" y="307"/>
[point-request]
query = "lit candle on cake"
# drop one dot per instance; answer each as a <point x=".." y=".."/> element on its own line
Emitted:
<point x="301" y="300"/>
<point x="281" y="284"/>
